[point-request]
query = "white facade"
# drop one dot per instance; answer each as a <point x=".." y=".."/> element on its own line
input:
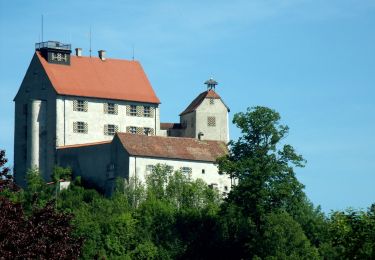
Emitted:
<point x="96" y="119"/>
<point x="207" y="171"/>
<point x="212" y="108"/>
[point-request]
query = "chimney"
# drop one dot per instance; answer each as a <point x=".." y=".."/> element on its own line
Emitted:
<point x="101" y="54"/>
<point x="78" y="52"/>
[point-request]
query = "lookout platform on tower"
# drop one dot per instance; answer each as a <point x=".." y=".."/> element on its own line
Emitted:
<point x="211" y="84"/>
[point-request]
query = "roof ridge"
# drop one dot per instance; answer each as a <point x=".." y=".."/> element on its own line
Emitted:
<point x="170" y="137"/>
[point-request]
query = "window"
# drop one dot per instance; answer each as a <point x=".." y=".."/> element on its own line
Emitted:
<point x="203" y="171"/>
<point x="226" y="188"/>
<point x="211" y="121"/>
<point x="133" y="130"/>
<point x="213" y="186"/>
<point x="80" y="127"/>
<point x="186" y="170"/>
<point x="149" y="168"/>
<point x="110" y="129"/>
<point x="80" y="105"/>
<point x="133" y="110"/>
<point x="147" y="131"/>
<point x="212" y="101"/>
<point x="146" y="111"/>
<point x="110" y="108"/>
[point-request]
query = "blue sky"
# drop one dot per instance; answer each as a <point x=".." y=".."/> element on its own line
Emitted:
<point x="311" y="60"/>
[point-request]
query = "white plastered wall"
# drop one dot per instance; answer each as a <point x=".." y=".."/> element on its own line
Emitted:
<point x="96" y="119"/>
<point x="220" y="112"/>
<point x="137" y="169"/>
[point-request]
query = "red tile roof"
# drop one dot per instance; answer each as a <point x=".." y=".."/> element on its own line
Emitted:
<point x="109" y="79"/>
<point x="199" y="99"/>
<point x="172" y="147"/>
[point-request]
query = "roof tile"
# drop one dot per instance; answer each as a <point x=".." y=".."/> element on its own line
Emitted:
<point x="199" y="99"/>
<point x="172" y="147"/>
<point x="91" y="77"/>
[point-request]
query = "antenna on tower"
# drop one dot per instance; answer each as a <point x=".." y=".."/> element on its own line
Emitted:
<point x="90" y="41"/>
<point x="42" y="28"/>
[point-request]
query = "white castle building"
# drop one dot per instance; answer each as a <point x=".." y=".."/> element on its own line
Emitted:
<point x="100" y="116"/>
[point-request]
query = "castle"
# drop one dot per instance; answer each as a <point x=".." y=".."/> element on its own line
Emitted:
<point x="100" y="116"/>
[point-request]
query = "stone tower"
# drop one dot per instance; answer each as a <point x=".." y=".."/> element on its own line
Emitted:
<point x="205" y="118"/>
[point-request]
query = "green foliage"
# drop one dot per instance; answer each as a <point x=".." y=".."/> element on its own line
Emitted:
<point x="267" y="186"/>
<point x="170" y="216"/>
<point x="283" y="238"/>
<point x="265" y="172"/>
<point x="60" y="173"/>
<point x="352" y="234"/>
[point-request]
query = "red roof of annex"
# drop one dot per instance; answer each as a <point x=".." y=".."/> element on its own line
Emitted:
<point x="172" y="147"/>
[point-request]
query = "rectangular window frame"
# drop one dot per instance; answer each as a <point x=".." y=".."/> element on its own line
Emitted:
<point x="80" y="105"/>
<point x="186" y="170"/>
<point x="110" y="129"/>
<point x="211" y="121"/>
<point x="111" y="108"/>
<point x="80" y="127"/>
<point x="150" y="168"/>
<point x="133" y="110"/>
<point x="133" y="129"/>
<point x="147" y="111"/>
<point x="146" y="130"/>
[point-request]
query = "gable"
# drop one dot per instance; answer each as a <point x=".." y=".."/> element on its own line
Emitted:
<point x="35" y="83"/>
<point x="209" y="94"/>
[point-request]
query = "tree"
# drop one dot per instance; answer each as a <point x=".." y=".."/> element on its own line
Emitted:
<point x="352" y="234"/>
<point x="264" y="168"/>
<point x="283" y="238"/>
<point x="46" y="234"/>
<point x="6" y="178"/>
